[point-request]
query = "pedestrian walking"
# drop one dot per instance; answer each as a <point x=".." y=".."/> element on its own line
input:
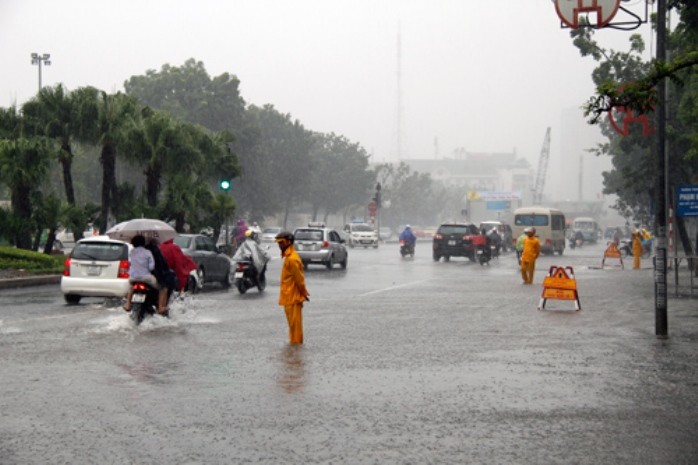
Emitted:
<point x="519" y="246"/>
<point x="637" y="249"/>
<point x="531" y="250"/>
<point x="293" y="291"/>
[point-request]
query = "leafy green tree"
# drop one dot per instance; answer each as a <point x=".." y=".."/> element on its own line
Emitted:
<point x="624" y="80"/>
<point x="23" y="166"/>
<point x="340" y="177"/>
<point x="190" y="94"/>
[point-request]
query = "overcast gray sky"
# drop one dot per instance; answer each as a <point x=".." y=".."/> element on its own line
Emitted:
<point x="487" y="76"/>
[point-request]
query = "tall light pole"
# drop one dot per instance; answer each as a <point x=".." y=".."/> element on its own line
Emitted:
<point x="39" y="60"/>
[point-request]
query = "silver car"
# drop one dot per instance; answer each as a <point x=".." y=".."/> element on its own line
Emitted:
<point x="320" y="245"/>
<point x="97" y="267"/>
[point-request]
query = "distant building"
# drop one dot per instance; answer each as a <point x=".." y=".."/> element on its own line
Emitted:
<point x="483" y="177"/>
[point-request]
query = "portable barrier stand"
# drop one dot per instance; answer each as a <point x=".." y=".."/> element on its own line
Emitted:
<point x="612" y="252"/>
<point x="560" y="285"/>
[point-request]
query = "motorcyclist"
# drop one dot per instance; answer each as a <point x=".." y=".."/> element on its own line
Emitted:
<point x="579" y="238"/>
<point x="250" y="250"/>
<point x="407" y="237"/>
<point x="493" y="238"/>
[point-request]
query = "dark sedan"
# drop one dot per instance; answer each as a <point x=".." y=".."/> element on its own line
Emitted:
<point x="456" y="240"/>
<point x="214" y="266"/>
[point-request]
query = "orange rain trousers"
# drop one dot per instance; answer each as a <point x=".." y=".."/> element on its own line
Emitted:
<point x="294" y="315"/>
<point x="528" y="267"/>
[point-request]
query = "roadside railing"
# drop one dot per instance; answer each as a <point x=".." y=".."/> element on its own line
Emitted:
<point x="682" y="275"/>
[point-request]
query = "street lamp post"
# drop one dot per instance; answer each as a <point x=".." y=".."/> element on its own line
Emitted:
<point x="39" y="60"/>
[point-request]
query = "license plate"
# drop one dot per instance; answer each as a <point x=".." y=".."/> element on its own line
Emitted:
<point x="94" y="270"/>
<point x="238" y="275"/>
<point x="451" y="242"/>
<point x="138" y="298"/>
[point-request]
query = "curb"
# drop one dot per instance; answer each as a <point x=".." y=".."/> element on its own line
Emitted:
<point x="29" y="281"/>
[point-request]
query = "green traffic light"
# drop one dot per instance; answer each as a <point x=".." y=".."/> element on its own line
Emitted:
<point x="225" y="184"/>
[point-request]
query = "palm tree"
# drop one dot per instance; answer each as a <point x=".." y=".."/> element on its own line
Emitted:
<point x="113" y="117"/>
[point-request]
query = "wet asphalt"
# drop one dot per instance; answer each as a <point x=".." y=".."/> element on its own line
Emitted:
<point x="404" y="362"/>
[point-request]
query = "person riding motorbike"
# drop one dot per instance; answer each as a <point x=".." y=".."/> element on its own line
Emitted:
<point x="407" y="240"/>
<point x="250" y="250"/>
<point x="494" y="239"/>
<point x="408" y="236"/>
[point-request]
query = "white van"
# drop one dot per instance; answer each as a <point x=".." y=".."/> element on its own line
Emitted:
<point x="589" y="228"/>
<point x="549" y="224"/>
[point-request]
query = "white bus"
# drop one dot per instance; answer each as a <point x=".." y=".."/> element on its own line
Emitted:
<point x="549" y="224"/>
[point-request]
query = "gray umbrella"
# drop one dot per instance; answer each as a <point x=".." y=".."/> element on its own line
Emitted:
<point x="151" y="229"/>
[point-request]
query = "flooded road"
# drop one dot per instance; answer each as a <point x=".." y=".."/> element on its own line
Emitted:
<point x="405" y="361"/>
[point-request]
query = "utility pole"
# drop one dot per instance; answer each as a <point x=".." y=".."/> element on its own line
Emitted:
<point x="660" y="265"/>
<point x="39" y="60"/>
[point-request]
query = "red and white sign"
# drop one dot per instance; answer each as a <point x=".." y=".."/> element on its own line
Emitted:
<point x="569" y="11"/>
<point x="372" y="207"/>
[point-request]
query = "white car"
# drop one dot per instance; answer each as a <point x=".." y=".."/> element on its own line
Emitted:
<point x="97" y="267"/>
<point x="361" y="234"/>
<point x="269" y="234"/>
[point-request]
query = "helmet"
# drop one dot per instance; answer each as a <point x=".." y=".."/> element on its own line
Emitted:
<point x="531" y="230"/>
<point x="407" y="226"/>
<point x="284" y="235"/>
<point x="248" y="233"/>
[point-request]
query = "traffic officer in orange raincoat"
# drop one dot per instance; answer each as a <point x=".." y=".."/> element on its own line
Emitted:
<point x="531" y="250"/>
<point x="293" y="292"/>
<point x="637" y="249"/>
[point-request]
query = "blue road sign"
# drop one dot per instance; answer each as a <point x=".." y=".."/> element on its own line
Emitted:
<point x="687" y="200"/>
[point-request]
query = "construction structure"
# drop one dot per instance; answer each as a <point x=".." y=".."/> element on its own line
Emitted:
<point x="539" y="186"/>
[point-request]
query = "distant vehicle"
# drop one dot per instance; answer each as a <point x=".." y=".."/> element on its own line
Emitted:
<point x="385" y="233"/>
<point x="588" y="227"/>
<point x="97" y="267"/>
<point x="320" y="245"/>
<point x="213" y="265"/>
<point x="361" y="234"/>
<point x="269" y="234"/>
<point x="456" y="240"/>
<point x="549" y="224"/>
<point x="504" y="231"/>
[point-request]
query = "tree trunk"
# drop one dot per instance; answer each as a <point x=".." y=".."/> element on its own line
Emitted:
<point x="67" y="164"/>
<point x="22" y="208"/>
<point x="152" y="179"/>
<point x="50" y="239"/>
<point x="108" y="159"/>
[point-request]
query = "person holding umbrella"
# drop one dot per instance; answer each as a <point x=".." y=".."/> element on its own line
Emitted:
<point x="141" y="266"/>
<point x="293" y="291"/>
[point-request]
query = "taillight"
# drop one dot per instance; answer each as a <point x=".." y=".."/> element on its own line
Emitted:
<point x="241" y="266"/>
<point x="123" y="269"/>
<point x="140" y="287"/>
<point x="66" y="267"/>
<point x="549" y="242"/>
<point x="438" y="237"/>
<point x="325" y="244"/>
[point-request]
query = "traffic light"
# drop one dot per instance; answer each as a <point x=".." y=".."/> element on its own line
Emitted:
<point x="225" y="184"/>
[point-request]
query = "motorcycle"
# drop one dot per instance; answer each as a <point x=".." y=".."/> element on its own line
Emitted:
<point x="485" y="253"/>
<point x="246" y="276"/>
<point x="144" y="302"/>
<point x="625" y="247"/>
<point x="576" y="242"/>
<point x="406" y="249"/>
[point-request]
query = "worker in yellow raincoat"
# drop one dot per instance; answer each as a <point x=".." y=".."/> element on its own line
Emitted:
<point x="531" y="250"/>
<point x="637" y="249"/>
<point x="293" y="292"/>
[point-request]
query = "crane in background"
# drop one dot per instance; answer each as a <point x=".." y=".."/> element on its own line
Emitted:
<point x="542" y="170"/>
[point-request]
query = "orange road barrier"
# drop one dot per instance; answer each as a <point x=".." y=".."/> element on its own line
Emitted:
<point x="560" y="284"/>
<point x="612" y="252"/>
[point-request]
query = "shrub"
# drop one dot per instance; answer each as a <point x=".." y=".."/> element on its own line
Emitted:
<point x="33" y="262"/>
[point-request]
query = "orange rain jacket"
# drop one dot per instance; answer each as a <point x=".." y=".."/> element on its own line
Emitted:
<point x="531" y="249"/>
<point x="293" y="289"/>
